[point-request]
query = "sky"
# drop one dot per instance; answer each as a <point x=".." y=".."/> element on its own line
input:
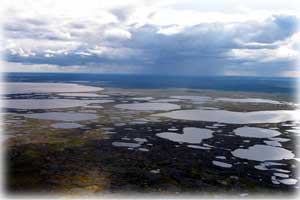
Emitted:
<point x="170" y="37"/>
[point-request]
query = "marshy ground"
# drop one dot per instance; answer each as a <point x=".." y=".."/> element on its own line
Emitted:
<point x="112" y="150"/>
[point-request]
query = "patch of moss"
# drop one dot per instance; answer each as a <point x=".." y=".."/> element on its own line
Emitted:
<point x="170" y="180"/>
<point x="32" y="153"/>
<point x="75" y="142"/>
<point x="95" y="187"/>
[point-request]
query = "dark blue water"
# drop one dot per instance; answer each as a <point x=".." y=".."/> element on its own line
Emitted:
<point x="249" y="84"/>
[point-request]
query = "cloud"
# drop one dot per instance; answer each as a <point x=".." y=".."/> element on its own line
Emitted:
<point x="117" y="33"/>
<point x="276" y="28"/>
<point x="140" y="39"/>
<point x="122" y="13"/>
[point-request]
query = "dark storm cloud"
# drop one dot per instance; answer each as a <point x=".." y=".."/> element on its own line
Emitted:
<point x="277" y="28"/>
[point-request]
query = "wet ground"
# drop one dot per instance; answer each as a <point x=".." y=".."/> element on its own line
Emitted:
<point x="116" y="141"/>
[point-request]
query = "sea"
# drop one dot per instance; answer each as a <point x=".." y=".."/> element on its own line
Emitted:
<point x="224" y="83"/>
